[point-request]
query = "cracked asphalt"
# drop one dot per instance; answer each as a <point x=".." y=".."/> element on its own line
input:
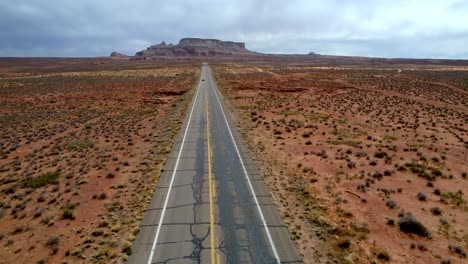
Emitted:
<point x="218" y="223"/>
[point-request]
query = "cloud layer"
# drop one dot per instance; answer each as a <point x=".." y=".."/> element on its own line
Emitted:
<point x="398" y="28"/>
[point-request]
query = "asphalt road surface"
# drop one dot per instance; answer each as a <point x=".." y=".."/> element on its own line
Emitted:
<point x="211" y="205"/>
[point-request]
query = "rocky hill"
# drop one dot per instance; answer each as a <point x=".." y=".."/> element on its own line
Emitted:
<point x="195" y="47"/>
<point x="117" y="54"/>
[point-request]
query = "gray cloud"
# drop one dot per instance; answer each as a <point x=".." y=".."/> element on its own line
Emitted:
<point x="399" y="28"/>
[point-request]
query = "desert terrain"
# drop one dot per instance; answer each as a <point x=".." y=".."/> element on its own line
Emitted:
<point x="82" y="144"/>
<point x="366" y="159"/>
<point x="367" y="164"/>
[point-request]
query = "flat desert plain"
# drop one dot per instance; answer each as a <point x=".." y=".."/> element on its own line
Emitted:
<point x="82" y="143"/>
<point x="367" y="164"/>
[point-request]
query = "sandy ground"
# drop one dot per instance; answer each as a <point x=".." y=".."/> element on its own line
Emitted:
<point x="81" y="147"/>
<point x="349" y="152"/>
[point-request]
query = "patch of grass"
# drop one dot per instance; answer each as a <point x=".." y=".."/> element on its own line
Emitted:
<point x="315" y="117"/>
<point x="351" y="143"/>
<point x="389" y="138"/>
<point x="42" y="180"/>
<point x="244" y="107"/>
<point x="80" y="144"/>
<point x="149" y="112"/>
<point x="455" y="198"/>
<point x="346" y="133"/>
<point x="429" y="173"/>
<point x="287" y="112"/>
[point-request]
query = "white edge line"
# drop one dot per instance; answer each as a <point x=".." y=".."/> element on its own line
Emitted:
<point x="161" y="219"/>
<point x="246" y="175"/>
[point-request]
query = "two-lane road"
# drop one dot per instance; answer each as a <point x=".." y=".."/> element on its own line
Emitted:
<point x="211" y="205"/>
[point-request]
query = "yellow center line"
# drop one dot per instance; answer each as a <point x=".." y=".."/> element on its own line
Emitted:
<point x="210" y="183"/>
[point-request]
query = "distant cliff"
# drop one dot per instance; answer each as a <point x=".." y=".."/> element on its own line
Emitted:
<point x="116" y="54"/>
<point x="195" y="47"/>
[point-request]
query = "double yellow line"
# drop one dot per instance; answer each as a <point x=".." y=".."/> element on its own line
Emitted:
<point x="215" y="258"/>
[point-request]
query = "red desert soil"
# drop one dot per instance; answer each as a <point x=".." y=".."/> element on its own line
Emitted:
<point x="366" y="164"/>
<point x="82" y="143"/>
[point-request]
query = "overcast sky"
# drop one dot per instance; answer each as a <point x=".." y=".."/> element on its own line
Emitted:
<point x="391" y="28"/>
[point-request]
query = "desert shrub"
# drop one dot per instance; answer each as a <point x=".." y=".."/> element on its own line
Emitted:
<point x="421" y="197"/>
<point x="437" y="191"/>
<point x="401" y="168"/>
<point x="377" y="175"/>
<point x="53" y="243"/>
<point x="360" y="154"/>
<point x="435" y="171"/>
<point x="68" y="211"/>
<point x="10" y="189"/>
<point x="444" y="222"/>
<point x="127" y="249"/>
<point x="19" y="229"/>
<point x="388" y="172"/>
<point x="351" y="164"/>
<point x="383" y="255"/>
<point x="436" y="211"/>
<point x="422" y="247"/>
<point x="380" y="154"/>
<point x="416" y="168"/>
<point x="373" y="163"/>
<point x="409" y="224"/>
<point x="323" y="154"/>
<point x="42" y="180"/>
<point x="391" y="204"/>
<point x="361" y="187"/>
<point x="344" y="244"/>
<point x="458" y="250"/>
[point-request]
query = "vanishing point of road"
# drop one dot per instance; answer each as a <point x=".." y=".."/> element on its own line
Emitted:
<point x="211" y="204"/>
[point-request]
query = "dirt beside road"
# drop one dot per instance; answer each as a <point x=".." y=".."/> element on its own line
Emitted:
<point x="366" y="164"/>
<point x="81" y="148"/>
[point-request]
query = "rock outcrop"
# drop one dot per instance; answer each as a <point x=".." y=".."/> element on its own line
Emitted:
<point x="195" y="47"/>
<point x="116" y="54"/>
